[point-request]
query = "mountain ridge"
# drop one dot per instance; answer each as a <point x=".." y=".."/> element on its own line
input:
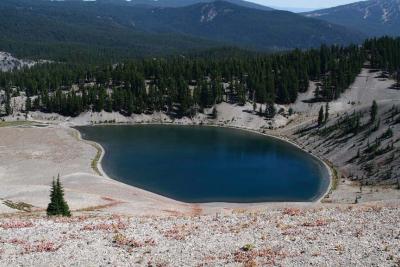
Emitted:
<point x="183" y="3"/>
<point x="69" y="27"/>
<point x="373" y="17"/>
<point x="223" y="21"/>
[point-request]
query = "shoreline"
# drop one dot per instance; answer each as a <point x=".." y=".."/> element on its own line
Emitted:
<point x="99" y="169"/>
<point x="39" y="157"/>
<point x="315" y="200"/>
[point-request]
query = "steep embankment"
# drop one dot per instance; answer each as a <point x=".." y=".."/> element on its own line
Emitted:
<point x="364" y="150"/>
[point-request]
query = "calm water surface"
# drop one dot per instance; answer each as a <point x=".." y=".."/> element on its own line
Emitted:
<point x="208" y="164"/>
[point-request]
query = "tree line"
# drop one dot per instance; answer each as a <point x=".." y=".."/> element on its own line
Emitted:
<point x="384" y="53"/>
<point x="182" y="86"/>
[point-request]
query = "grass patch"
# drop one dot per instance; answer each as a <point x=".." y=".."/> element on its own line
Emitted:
<point x="22" y="206"/>
<point x="335" y="178"/>
<point x="99" y="207"/>
<point x="96" y="159"/>
<point x="335" y="181"/>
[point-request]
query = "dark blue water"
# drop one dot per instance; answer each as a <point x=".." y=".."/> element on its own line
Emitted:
<point x="208" y="164"/>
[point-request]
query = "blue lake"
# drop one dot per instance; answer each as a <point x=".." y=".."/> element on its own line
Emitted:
<point x="208" y="164"/>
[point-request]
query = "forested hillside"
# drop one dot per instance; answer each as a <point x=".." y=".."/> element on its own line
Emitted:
<point x="109" y="31"/>
<point x="385" y="54"/>
<point x="245" y="27"/>
<point x="183" y="86"/>
<point x="82" y="32"/>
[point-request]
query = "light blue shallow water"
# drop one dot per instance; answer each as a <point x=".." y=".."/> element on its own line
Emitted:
<point x="208" y="164"/>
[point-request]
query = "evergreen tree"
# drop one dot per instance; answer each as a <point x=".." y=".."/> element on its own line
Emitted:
<point x="28" y="104"/>
<point x="357" y="124"/>
<point x="204" y="95"/>
<point x="218" y="90"/>
<point x="53" y="207"/>
<point x="57" y="205"/>
<point x="290" y="111"/>
<point x="8" y="103"/>
<point x="317" y="92"/>
<point x="241" y="94"/>
<point x="270" y="110"/>
<point x="64" y="208"/>
<point x="374" y="111"/>
<point x="321" y="116"/>
<point x="214" y="113"/>
<point x="326" y="112"/>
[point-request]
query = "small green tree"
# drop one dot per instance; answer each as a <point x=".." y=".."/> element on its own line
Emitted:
<point x="321" y="116"/>
<point x="317" y="93"/>
<point x="57" y="205"/>
<point x="326" y="112"/>
<point x="52" y="208"/>
<point x="28" y="104"/>
<point x="214" y="114"/>
<point x="241" y="92"/>
<point x="270" y="110"/>
<point x="374" y="111"/>
<point x="8" y="108"/>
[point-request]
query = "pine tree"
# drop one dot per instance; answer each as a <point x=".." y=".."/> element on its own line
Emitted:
<point x="214" y="113"/>
<point x="321" y="116"/>
<point x="270" y="110"/>
<point x="57" y="205"/>
<point x="64" y="208"/>
<point x="291" y="111"/>
<point x="241" y="94"/>
<point x="28" y="104"/>
<point x="317" y="92"/>
<point x="326" y="112"/>
<point x="53" y="208"/>
<point x="8" y="108"/>
<point x="374" y="111"/>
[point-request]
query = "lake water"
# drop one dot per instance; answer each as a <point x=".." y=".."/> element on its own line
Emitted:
<point x="208" y="164"/>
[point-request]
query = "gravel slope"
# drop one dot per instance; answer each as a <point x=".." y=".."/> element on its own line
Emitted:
<point x="324" y="236"/>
